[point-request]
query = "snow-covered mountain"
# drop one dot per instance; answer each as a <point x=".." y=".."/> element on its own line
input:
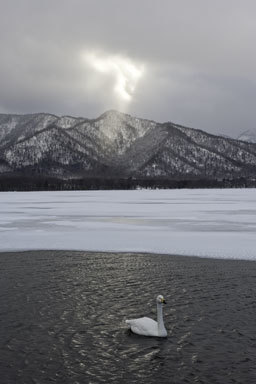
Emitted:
<point x="249" y="136"/>
<point x="117" y="144"/>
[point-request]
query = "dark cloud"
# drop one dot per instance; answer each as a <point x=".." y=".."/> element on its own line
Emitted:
<point x="199" y="59"/>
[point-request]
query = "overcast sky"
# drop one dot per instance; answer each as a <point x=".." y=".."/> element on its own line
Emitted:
<point x="190" y="62"/>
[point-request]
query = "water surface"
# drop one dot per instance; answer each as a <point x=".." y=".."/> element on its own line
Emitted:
<point x="62" y="318"/>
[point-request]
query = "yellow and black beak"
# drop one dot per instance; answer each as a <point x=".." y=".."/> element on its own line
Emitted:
<point x="163" y="301"/>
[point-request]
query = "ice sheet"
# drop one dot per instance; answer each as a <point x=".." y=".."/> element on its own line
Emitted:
<point x="210" y="223"/>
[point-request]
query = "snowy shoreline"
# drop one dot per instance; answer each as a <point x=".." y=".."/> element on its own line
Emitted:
<point x="212" y="223"/>
<point x="121" y="253"/>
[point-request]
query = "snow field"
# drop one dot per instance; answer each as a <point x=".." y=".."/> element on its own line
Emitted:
<point x="209" y="223"/>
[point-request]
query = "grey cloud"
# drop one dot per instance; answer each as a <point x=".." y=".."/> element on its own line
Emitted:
<point x="199" y="58"/>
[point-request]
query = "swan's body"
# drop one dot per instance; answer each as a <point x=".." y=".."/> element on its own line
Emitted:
<point x="148" y="327"/>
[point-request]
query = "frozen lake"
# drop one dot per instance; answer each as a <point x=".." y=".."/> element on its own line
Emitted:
<point x="208" y="223"/>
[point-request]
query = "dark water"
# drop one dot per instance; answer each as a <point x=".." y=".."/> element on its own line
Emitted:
<point x="62" y="319"/>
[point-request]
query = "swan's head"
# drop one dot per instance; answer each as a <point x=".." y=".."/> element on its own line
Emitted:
<point x="160" y="299"/>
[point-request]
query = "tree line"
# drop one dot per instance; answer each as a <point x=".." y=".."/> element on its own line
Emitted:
<point x="39" y="183"/>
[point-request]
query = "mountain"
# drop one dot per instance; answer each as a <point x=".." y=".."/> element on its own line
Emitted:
<point x="117" y="145"/>
<point x="249" y="136"/>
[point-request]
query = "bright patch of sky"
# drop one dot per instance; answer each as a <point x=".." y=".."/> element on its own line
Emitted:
<point x="124" y="72"/>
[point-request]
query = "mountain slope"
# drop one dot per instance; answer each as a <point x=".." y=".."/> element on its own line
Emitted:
<point x="249" y="136"/>
<point x="117" y="144"/>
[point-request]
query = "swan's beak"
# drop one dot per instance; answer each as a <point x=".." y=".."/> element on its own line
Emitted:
<point x="163" y="301"/>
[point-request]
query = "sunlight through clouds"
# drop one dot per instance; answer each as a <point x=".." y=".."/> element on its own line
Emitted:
<point x="125" y="72"/>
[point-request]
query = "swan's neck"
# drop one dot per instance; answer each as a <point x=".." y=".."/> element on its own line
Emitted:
<point x="160" y="320"/>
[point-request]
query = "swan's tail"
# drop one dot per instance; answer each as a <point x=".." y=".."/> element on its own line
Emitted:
<point x="128" y="322"/>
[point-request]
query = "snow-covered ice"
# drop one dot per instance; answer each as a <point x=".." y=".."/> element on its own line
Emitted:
<point x="209" y="223"/>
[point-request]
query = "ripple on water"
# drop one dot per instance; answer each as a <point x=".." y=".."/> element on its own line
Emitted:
<point x="62" y="319"/>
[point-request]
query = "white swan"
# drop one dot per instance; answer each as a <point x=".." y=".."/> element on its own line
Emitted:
<point x="148" y="327"/>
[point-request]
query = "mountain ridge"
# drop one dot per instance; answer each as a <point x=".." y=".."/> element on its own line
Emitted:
<point x="249" y="135"/>
<point x="118" y="144"/>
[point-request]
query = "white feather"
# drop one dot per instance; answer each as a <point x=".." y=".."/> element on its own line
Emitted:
<point x="147" y="327"/>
